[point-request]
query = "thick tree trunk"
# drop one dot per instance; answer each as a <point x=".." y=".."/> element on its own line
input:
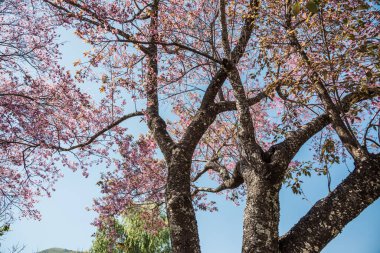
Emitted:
<point x="181" y="214"/>
<point x="328" y="216"/>
<point x="261" y="215"/>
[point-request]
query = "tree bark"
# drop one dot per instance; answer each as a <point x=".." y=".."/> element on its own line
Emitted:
<point x="261" y="215"/>
<point x="181" y="215"/>
<point x="328" y="216"/>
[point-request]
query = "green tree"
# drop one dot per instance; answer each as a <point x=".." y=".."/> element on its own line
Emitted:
<point x="4" y="229"/>
<point x="130" y="234"/>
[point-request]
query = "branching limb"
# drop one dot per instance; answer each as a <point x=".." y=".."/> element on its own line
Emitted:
<point x="291" y="145"/>
<point x="223" y="21"/>
<point x="328" y="216"/>
<point x="94" y="20"/>
<point x="205" y="115"/>
<point x="225" y="106"/>
<point x="347" y="137"/>
<point x="155" y="122"/>
<point x="246" y="127"/>
<point x="228" y="181"/>
<point x="96" y="135"/>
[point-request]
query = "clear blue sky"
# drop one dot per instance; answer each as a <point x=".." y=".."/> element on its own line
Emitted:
<point x="65" y="222"/>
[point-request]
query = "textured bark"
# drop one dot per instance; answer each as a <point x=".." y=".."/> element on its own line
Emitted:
<point x="261" y="215"/>
<point x="328" y="216"/>
<point x="181" y="214"/>
<point x="180" y="211"/>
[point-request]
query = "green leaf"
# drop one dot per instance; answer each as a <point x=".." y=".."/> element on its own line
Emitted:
<point x="296" y="8"/>
<point x="4" y="229"/>
<point x="312" y="6"/>
<point x="364" y="7"/>
<point x="351" y="36"/>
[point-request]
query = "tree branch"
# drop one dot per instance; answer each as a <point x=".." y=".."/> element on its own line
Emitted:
<point x="328" y="216"/>
<point x="205" y="115"/>
<point x="96" y="135"/>
<point x="155" y="122"/>
<point x="246" y="128"/>
<point x="236" y="55"/>
<point x="223" y="21"/>
<point x="225" y="106"/>
<point x="228" y="182"/>
<point x="290" y="146"/>
<point x="347" y="137"/>
<point x="96" y="21"/>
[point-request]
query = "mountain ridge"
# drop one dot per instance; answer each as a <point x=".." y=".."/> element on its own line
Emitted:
<point x="59" y="250"/>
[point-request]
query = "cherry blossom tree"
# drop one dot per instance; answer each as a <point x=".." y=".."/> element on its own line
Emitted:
<point x="250" y="82"/>
<point x="44" y="115"/>
<point x="26" y="49"/>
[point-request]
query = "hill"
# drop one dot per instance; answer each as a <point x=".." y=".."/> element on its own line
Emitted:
<point x="58" y="250"/>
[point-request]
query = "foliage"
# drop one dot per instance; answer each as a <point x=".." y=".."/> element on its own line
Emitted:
<point x="4" y="229"/>
<point x="132" y="234"/>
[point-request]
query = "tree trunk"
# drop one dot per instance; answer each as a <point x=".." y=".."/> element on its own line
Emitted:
<point x="181" y="214"/>
<point x="261" y="215"/>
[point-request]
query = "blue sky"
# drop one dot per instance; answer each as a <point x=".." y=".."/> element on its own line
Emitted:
<point x="65" y="222"/>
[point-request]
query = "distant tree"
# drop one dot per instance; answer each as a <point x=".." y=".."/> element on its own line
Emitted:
<point x="133" y="233"/>
<point x="4" y="229"/>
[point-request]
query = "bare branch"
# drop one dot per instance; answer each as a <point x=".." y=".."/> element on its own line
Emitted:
<point x="290" y="146"/>
<point x="155" y="122"/>
<point x="347" y="137"/>
<point x="231" y="105"/>
<point x="96" y="135"/>
<point x="223" y="21"/>
<point x="228" y="182"/>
